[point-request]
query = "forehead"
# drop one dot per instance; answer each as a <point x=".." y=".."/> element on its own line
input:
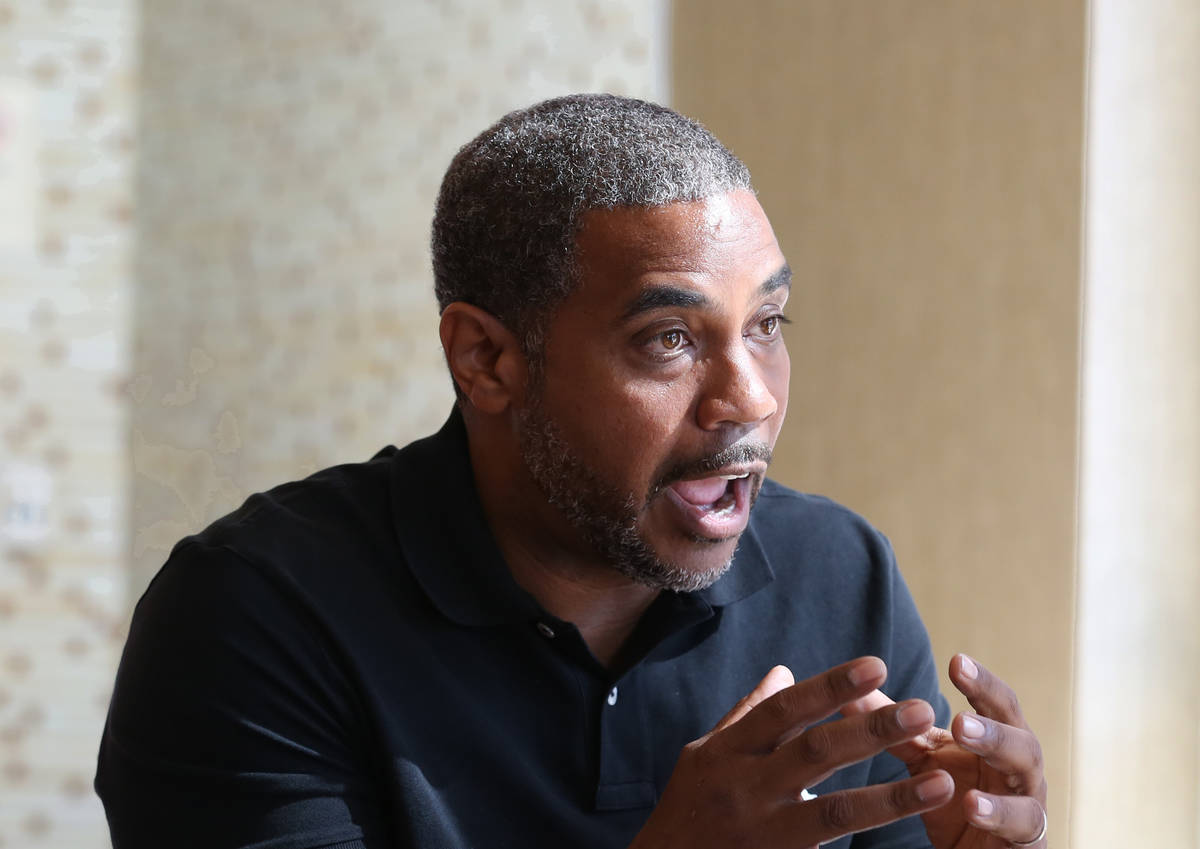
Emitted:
<point x="725" y="239"/>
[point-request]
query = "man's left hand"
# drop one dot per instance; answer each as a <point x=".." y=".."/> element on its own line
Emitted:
<point x="995" y="761"/>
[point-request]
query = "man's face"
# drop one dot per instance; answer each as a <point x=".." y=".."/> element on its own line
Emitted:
<point x="663" y="386"/>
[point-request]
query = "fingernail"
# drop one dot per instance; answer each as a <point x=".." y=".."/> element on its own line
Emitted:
<point x="984" y="806"/>
<point x="914" y="715"/>
<point x="968" y="667"/>
<point x="932" y="788"/>
<point x="972" y="727"/>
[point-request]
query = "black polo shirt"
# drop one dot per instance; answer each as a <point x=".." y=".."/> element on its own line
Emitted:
<point x="346" y="661"/>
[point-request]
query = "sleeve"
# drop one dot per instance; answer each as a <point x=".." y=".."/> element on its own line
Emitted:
<point x="912" y="673"/>
<point x="230" y="725"/>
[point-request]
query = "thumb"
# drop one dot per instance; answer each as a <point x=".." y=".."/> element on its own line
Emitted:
<point x="778" y="678"/>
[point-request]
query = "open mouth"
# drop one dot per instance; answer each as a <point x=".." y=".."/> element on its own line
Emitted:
<point x="715" y="494"/>
<point x="713" y="508"/>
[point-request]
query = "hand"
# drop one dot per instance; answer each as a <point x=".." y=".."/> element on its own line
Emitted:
<point x="993" y="757"/>
<point x="741" y="784"/>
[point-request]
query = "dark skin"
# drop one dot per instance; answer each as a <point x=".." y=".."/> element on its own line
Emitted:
<point x="673" y="332"/>
<point x="994" y="756"/>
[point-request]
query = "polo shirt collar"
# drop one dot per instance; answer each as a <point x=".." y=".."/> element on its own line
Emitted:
<point x="749" y="572"/>
<point x="450" y="550"/>
<point x="442" y="531"/>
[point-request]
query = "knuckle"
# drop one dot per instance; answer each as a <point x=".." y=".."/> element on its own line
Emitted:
<point x="881" y="725"/>
<point x="986" y="681"/>
<point x="995" y="735"/>
<point x="1035" y="752"/>
<point x="831" y="687"/>
<point x="814" y="746"/>
<point x="899" y="797"/>
<point x="837" y="813"/>
<point x="778" y="708"/>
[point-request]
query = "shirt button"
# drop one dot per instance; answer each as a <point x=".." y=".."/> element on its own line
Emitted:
<point x="612" y="696"/>
<point x="545" y="630"/>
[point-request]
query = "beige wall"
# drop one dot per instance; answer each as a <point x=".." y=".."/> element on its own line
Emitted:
<point x="922" y="165"/>
<point x="68" y="75"/>
<point x="921" y="160"/>
<point x="290" y="157"/>
<point x="286" y="158"/>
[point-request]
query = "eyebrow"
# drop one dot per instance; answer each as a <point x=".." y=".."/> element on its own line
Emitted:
<point x="659" y="296"/>
<point x="781" y="278"/>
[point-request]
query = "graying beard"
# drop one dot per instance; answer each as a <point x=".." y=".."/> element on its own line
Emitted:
<point x="559" y="475"/>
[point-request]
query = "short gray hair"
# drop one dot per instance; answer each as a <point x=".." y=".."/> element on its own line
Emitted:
<point x="511" y="202"/>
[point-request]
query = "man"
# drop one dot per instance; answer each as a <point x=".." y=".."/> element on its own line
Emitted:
<point x="557" y="621"/>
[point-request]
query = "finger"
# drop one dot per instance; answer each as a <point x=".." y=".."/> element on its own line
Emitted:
<point x="793" y="708"/>
<point x="1017" y="819"/>
<point x="814" y="755"/>
<point x="989" y="695"/>
<point x="1013" y="751"/>
<point x="907" y="751"/>
<point x="775" y="680"/>
<point x="848" y="811"/>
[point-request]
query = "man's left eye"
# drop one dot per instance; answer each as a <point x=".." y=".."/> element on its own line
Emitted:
<point x="770" y="326"/>
<point x="672" y="339"/>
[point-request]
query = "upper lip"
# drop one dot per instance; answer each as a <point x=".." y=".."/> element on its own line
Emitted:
<point x="757" y="469"/>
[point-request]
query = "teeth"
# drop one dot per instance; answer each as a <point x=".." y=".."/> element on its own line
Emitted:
<point x="734" y="477"/>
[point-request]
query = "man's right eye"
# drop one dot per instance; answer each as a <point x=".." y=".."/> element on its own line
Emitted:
<point x="665" y="344"/>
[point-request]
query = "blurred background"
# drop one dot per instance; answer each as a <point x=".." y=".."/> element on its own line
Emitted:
<point x="214" y="277"/>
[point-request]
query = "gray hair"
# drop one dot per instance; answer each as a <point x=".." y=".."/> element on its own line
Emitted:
<point x="511" y="203"/>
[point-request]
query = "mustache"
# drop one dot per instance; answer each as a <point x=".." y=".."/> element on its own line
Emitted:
<point x="736" y="454"/>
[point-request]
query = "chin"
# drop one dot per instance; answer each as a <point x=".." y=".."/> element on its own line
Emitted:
<point x="696" y="565"/>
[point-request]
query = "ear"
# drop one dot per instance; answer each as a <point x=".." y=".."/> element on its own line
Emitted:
<point x="484" y="356"/>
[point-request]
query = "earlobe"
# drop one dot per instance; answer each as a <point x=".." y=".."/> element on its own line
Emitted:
<point x="484" y="357"/>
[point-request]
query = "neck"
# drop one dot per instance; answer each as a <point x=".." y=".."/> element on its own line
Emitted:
<point x="604" y="607"/>
<point x="548" y="559"/>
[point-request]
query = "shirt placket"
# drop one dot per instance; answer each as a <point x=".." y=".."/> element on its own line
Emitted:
<point x="625" y="778"/>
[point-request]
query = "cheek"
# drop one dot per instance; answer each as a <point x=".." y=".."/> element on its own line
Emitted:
<point x="778" y="378"/>
<point x="635" y="426"/>
<point x="625" y="430"/>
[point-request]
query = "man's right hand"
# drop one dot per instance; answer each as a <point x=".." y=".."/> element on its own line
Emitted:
<point x="741" y="784"/>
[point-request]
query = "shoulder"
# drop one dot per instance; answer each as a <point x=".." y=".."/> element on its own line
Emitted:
<point x="300" y="552"/>
<point x="338" y="517"/>
<point x="835" y="581"/>
<point x="797" y="524"/>
<point x="341" y="499"/>
<point x="271" y="586"/>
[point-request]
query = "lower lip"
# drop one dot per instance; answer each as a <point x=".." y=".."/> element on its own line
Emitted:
<point x="713" y="524"/>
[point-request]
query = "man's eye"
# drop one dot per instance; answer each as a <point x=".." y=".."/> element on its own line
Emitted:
<point x="771" y="325"/>
<point x="667" y="344"/>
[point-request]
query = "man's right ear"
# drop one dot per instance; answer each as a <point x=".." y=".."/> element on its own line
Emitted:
<point x="484" y="356"/>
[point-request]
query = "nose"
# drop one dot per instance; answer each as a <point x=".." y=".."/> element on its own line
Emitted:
<point x="735" y="392"/>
